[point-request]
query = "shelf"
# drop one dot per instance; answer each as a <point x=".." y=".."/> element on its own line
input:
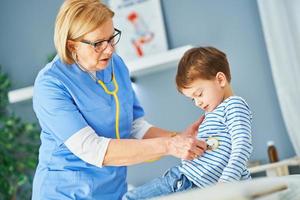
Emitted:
<point x="142" y="66"/>
<point x="295" y="161"/>
<point x="156" y="62"/>
<point x="22" y="94"/>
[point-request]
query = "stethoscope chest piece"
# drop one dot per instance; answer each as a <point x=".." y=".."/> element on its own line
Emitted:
<point x="212" y="143"/>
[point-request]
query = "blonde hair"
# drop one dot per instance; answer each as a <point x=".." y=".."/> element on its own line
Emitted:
<point x="75" y="19"/>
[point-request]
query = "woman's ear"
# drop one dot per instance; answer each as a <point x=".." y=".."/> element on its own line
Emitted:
<point x="71" y="45"/>
<point x="221" y="79"/>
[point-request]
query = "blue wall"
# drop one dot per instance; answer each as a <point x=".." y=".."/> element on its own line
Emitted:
<point x="231" y="25"/>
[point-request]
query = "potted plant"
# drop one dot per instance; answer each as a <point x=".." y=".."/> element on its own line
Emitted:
<point x="19" y="142"/>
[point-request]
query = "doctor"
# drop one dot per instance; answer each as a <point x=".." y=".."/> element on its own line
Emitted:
<point x="89" y="112"/>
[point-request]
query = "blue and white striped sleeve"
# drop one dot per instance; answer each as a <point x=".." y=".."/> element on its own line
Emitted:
<point x="238" y="120"/>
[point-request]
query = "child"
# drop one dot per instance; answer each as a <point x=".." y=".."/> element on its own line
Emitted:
<point x="204" y="76"/>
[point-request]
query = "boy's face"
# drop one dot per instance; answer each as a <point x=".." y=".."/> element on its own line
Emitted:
<point x="207" y="94"/>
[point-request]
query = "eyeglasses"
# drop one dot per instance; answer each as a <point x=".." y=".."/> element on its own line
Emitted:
<point x="101" y="45"/>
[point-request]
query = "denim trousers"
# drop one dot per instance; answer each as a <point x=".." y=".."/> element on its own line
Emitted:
<point x="172" y="181"/>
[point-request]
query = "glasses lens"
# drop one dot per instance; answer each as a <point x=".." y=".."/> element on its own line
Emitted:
<point x="100" y="46"/>
<point x="115" y="39"/>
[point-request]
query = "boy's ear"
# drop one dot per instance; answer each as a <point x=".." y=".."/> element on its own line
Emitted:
<point x="221" y="79"/>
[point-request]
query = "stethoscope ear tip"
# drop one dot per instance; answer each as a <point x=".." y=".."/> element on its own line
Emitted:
<point x="133" y="79"/>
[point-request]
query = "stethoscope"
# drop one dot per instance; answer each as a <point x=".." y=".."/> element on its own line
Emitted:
<point x="212" y="142"/>
<point x="113" y="92"/>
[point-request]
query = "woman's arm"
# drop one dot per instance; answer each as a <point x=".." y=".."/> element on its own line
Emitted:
<point x="155" y="143"/>
<point x="155" y="132"/>
<point x="131" y="151"/>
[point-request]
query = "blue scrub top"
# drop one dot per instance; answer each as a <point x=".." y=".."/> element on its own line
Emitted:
<point x="65" y="100"/>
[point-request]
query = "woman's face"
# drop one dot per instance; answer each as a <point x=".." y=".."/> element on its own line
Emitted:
<point x="89" y="57"/>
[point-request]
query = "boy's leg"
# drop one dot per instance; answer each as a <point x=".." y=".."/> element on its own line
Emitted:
<point x="172" y="181"/>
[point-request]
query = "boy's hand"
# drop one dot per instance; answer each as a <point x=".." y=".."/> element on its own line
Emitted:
<point x="192" y="130"/>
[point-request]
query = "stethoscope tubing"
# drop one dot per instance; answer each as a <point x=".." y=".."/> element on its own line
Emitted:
<point x="114" y="92"/>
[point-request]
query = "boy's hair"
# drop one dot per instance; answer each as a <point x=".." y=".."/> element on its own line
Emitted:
<point x="201" y="63"/>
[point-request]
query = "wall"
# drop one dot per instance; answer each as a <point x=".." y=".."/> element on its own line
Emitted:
<point x="233" y="26"/>
<point x="26" y="39"/>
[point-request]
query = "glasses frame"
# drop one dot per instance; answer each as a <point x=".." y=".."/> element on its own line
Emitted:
<point x="108" y="41"/>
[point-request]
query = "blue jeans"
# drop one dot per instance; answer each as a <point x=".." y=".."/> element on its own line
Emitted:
<point x="172" y="181"/>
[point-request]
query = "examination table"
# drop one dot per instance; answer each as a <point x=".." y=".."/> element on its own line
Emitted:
<point x="266" y="188"/>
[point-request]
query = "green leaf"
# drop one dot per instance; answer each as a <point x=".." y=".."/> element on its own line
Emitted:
<point x="22" y="180"/>
<point x="19" y="142"/>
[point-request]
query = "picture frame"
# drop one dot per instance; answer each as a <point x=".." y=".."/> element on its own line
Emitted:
<point x="142" y="26"/>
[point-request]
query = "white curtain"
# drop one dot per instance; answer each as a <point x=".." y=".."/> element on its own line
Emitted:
<point x="281" y="27"/>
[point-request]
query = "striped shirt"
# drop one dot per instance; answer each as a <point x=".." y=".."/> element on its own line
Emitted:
<point x="230" y="124"/>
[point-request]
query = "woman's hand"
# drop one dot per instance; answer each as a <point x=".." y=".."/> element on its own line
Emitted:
<point x="185" y="145"/>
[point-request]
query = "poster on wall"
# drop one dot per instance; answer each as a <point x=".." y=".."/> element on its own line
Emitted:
<point x="142" y="26"/>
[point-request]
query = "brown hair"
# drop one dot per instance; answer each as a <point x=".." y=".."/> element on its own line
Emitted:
<point x="201" y="63"/>
<point x="75" y="19"/>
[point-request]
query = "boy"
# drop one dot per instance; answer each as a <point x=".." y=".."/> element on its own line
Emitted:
<point x="204" y="76"/>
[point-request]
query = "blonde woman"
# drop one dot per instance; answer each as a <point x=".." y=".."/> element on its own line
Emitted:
<point x="92" y="123"/>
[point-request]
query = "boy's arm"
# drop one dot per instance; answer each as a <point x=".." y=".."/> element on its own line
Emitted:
<point x="238" y="121"/>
